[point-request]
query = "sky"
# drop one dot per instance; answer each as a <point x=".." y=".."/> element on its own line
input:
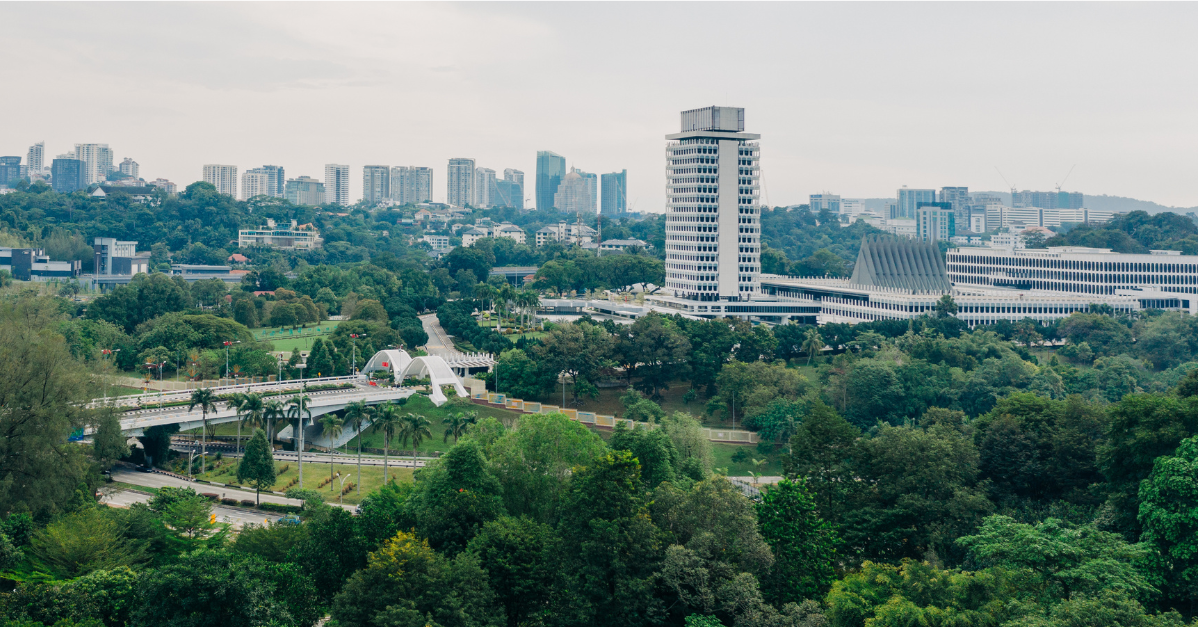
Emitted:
<point x="852" y="98"/>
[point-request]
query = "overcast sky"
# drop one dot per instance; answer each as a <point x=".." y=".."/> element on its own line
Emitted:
<point x="853" y="98"/>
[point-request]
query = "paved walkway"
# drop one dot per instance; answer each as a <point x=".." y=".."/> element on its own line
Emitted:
<point x="236" y="518"/>
<point x="156" y="480"/>
<point x="438" y="341"/>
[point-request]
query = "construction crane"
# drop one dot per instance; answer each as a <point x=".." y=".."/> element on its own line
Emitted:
<point x="1004" y="179"/>
<point x="1065" y="179"/>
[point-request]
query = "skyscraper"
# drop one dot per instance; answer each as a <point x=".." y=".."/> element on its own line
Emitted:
<point x="460" y="182"/>
<point x="376" y="183"/>
<point x="615" y="193"/>
<point x="223" y="177"/>
<point x="97" y="161"/>
<point x="486" y="191"/>
<point x="35" y="160"/>
<point x="514" y="175"/>
<point x="574" y="194"/>
<point x="10" y="170"/>
<point x="909" y="199"/>
<point x="511" y="189"/>
<point x="336" y="184"/>
<point x="713" y="233"/>
<point x="592" y="182"/>
<point x="276" y="184"/>
<point x="551" y="168"/>
<point x="255" y="182"/>
<point x="130" y="168"/>
<point x="935" y="221"/>
<point x="66" y="175"/>
<point x="958" y="199"/>
<point x="411" y="185"/>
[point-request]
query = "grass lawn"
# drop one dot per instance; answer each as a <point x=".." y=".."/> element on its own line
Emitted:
<point x="608" y="401"/>
<point x="120" y="390"/>
<point x="314" y="474"/>
<point x="135" y="487"/>
<point x="286" y="339"/>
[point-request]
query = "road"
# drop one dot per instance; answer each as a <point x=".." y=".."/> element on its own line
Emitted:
<point x="156" y="480"/>
<point x="396" y="460"/>
<point x="237" y="518"/>
<point x="438" y="341"/>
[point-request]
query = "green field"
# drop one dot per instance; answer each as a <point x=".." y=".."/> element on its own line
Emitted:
<point x="288" y="339"/>
<point x="314" y="474"/>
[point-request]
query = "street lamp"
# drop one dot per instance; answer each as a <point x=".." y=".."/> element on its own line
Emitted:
<point x="227" y="345"/>
<point x="159" y="366"/>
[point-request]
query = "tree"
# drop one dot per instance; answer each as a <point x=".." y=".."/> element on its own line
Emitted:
<point x="534" y="463"/>
<point x="206" y="400"/>
<point x="579" y="350"/>
<point x="357" y="415"/>
<point x="332" y="427"/>
<point x="272" y="412"/>
<point x="299" y="411"/>
<point x="823" y="451"/>
<point x="454" y="497"/>
<point x="250" y="409"/>
<point x="189" y="519"/>
<point x="518" y="555"/>
<point x="83" y="542"/>
<point x="652" y="449"/>
<point x="946" y="307"/>
<point x="651" y="348"/>
<point x="415" y="428"/>
<point x="812" y="344"/>
<point x="1168" y="513"/>
<point x="804" y="545"/>
<point x="389" y="422"/>
<point x="257" y="466"/>
<point x="457" y="423"/>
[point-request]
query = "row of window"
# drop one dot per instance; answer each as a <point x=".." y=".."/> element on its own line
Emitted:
<point x="1071" y="264"/>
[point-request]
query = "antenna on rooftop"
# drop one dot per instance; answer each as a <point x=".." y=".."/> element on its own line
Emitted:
<point x="1065" y="179"/>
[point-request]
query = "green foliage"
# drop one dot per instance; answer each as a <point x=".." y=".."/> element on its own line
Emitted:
<point x="534" y="462"/>
<point x="653" y="449"/>
<point x="83" y="542"/>
<point x="455" y="497"/>
<point x="1167" y="513"/>
<point x="518" y="555"/>
<point x="804" y="546"/>
<point x="257" y="466"/>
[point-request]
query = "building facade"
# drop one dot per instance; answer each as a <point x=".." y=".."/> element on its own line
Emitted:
<point x="1073" y="269"/>
<point x="486" y="190"/>
<point x="566" y="233"/>
<point x="223" y="177"/>
<point x="336" y="184"/>
<point x="66" y="175"/>
<point x="819" y="202"/>
<point x="411" y="185"/>
<point x="10" y="171"/>
<point x="255" y="182"/>
<point x="97" y="162"/>
<point x="614" y="193"/>
<point x="592" y="182"/>
<point x="935" y="221"/>
<point x="304" y="190"/>
<point x="907" y="201"/>
<point x="959" y="200"/>
<point x="276" y="182"/>
<point x="509" y="194"/>
<point x="35" y="159"/>
<point x="574" y="195"/>
<point x="130" y="168"/>
<point x="713" y="231"/>
<point x="297" y="237"/>
<point x="376" y="183"/>
<point x="460" y="182"/>
<point x="113" y="257"/>
<point x="551" y="169"/>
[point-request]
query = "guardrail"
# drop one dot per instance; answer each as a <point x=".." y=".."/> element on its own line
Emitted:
<point x="733" y="436"/>
<point x="133" y="399"/>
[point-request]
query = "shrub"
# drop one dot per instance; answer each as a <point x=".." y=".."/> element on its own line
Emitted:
<point x="210" y="496"/>
<point x="280" y="508"/>
<point x="247" y="502"/>
<point x="229" y="502"/>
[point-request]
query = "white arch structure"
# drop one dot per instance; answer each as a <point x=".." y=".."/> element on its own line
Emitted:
<point x="402" y="365"/>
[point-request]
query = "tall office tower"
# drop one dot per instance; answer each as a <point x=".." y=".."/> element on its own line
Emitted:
<point x="485" y="190"/>
<point x="958" y="198"/>
<point x="509" y="194"/>
<point x="713" y="232"/>
<point x="460" y="182"/>
<point x="304" y="190"/>
<point x="614" y="186"/>
<point x="276" y="184"/>
<point x="336" y="184"/>
<point x="818" y="202"/>
<point x="35" y="160"/>
<point x="97" y="161"/>
<point x="223" y="177"/>
<point x="130" y="168"/>
<point x="10" y="170"/>
<point x="908" y="201"/>
<point x="514" y="175"/>
<point x="66" y="175"/>
<point x="376" y="183"/>
<point x="592" y="182"/>
<point x="551" y="168"/>
<point x="255" y="182"/>
<point x="574" y="195"/>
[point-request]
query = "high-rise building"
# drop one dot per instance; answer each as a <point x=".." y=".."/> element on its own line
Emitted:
<point x="818" y="202"/>
<point x="592" y="182"/>
<point x="509" y="194"/>
<point x="223" y="177"/>
<point x="486" y="191"/>
<point x="460" y="182"/>
<point x="66" y="175"/>
<point x="551" y="168"/>
<point x="255" y="182"/>
<point x="935" y="221"/>
<point x="713" y="232"/>
<point x="376" y="183"/>
<point x="909" y="199"/>
<point x="97" y="161"/>
<point x="304" y="190"/>
<point x="411" y="185"/>
<point x="958" y="198"/>
<point x="614" y="187"/>
<point x="1070" y="200"/>
<point x="336" y="184"/>
<point x="130" y="168"/>
<point x="276" y="183"/>
<point x="35" y="159"/>
<point x="10" y="170"/>
<point x="574" y="194"/>
<point x="514" y="175"/>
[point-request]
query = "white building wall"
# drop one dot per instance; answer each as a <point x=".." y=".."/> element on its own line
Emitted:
<point x="223" y="177"/>
<point x="336" y="184"/>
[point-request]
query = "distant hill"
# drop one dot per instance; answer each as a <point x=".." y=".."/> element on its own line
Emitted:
<point x="1098" y="203"/>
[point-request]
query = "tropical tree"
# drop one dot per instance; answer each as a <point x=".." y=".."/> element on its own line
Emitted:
<point x="249" y="411"/>
<point x="332" y="426"/>
<point x="257" y="467"/>
<point x="272" y="411"/>
<point x="456" y="424"/>
<point x="297" y="410"/>
<point x="812" y="344"/>
<point x="357" y="415"/>
<point x="387" y="420"/>
<point x="415" y="429"/>
<point x="206" y="401"/>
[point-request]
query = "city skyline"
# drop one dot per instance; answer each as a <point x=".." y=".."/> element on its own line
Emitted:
<point x="863" y="133"/>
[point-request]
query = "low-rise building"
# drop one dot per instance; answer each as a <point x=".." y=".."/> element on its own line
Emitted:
<point x="33" y="264"/>
<point x="437" y="242"/>
<point x="484" y="228"/>
<point x="615" y="245"/>
<point x="296" y="236"/>
<point x="565" y="232"/>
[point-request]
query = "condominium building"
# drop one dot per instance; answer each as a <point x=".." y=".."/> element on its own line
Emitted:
<point x="411" y="185"/>
<point x="305" y="190"/>
<point x="551" y="169"/>
<point x="276" y="180"/>
<point x="460" y="182"/>
<point x="959" y="200"/>
<point x="10" y="170"/>
<point x="566" y="233"/>
<point x="164" y="185"/>
<point x="35" y="158"/>
<point x="907" y="201"/>
<point x="614" y="188"/>
<point x="935" y="221"/>
<point x="592" y="182"/>
<point x="825" y="201"/>
<point x="509" y="194"/>
<point x="255" y="182"/>
<point x="298" y="237"/>
<point x="713" y="220"/>
<point x="376" y="183"/>
<point x="97" y="162"/>
<point x="574" y="194"/>
<point x="66" y="175"/>
<point x="223" y="177"/>
<point x="336" y="184"/>
<point x="515" y="176"/>
<point x="485" y="188"/>
<point x="481" y="230"/>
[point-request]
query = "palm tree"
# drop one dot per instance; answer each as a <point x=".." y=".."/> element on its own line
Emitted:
<point x="485" y="293"/>
<point x="207" y="402"/>
<point x="812" y="344"/>
<point x="456" y="425"/>
<point x="357" y="414"/>
<point x="249" y="411"/>
<point x="529" y="300"/>
<point x="388" y="421"/>
<point x="415" y="429"/>
<point x="298" y="409"/>
<point x="272" y="411"/>
<point x="332" y="426"/>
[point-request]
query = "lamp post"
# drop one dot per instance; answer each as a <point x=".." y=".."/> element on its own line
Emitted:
<point x="227" y="345"/>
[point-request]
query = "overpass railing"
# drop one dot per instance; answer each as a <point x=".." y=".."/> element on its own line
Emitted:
<point x="137" y="399"/>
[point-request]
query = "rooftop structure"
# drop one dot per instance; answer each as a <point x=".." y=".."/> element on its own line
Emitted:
<point x="298" y="237"/>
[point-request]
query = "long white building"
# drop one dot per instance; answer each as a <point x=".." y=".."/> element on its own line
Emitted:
<point x="1073" y="269"/>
